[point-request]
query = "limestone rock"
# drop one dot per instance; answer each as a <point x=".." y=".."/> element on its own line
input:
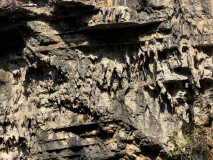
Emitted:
<point x="88" y="79"/>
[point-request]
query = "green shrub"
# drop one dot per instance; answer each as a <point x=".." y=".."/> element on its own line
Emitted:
<point x="193" y="146"/>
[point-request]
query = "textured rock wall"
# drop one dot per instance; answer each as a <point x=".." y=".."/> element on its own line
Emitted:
<point x="103" y="79"/>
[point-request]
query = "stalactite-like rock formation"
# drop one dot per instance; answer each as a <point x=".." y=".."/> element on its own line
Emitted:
<point x="103" y="79"/>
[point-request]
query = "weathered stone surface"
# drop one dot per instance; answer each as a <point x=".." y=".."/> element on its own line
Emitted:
<point x="107" y="79"/>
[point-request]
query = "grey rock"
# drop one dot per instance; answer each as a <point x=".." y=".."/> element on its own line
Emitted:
<point x="103" y="79"/>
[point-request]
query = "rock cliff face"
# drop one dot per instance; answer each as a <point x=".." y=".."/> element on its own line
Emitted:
<point x="103" y="79"/>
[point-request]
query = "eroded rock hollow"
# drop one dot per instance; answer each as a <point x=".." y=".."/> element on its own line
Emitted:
<point x="103" y="79"/>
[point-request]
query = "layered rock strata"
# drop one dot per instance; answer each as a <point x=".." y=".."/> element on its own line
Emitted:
<point x="103" y="79"/>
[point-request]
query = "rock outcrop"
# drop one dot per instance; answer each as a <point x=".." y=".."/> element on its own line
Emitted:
<point x="103" y="79"/>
